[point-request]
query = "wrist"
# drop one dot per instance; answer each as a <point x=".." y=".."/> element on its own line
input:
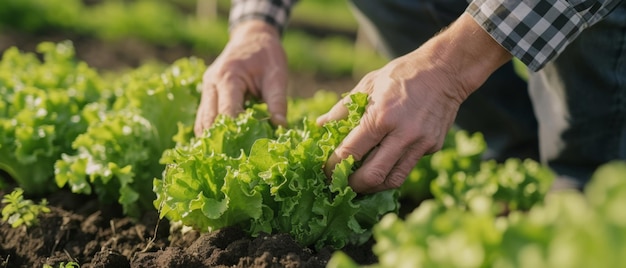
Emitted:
<point x="468" y="53"/>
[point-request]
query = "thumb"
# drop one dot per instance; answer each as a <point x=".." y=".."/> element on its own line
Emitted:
<point x="339" y="111"/>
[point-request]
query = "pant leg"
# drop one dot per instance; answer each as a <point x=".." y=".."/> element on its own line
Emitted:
<point x="500" y="109"/>
<point x="580" y="100"/>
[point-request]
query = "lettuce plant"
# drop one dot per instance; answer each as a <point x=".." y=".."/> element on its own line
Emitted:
<point x="569" y="228"/>
<point x="244" y="172"/>
<point x="40" y="104"/>
<point x="117" y="156"/>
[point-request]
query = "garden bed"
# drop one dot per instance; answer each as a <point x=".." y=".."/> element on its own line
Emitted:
<point x="81" y="230"/>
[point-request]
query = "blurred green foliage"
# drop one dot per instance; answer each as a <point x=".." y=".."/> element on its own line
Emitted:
<point x="174" y="22"/>
<point x="569" y="228"/>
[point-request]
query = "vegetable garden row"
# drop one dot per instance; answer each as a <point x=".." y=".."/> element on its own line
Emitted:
<point x="127" y="139"/>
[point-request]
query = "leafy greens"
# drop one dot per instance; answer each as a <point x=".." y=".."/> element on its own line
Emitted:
<point x="40" y="104"/>
<point x="245" y="172"/>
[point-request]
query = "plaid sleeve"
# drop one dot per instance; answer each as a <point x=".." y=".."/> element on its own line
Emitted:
<point x="274" y="12"/>
<point x="535" y="31"/>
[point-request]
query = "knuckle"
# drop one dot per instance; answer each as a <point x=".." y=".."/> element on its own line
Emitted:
<point x="207" y="84"/>
<point x="375" y="177"/>
<point x="425" y="143"/>
<point x="370" y="76"/>
<point x="433" y="146"/>
<point x="347" y="150"/>
<point x="226" y="73"/>
<point x="210" y="74"/>
<point x="395" y="180"/>
<point x="377" y="126"/>
<point x="384" y="120"/>
<point x="412" y="156"/>
<point x="225" y="107"/>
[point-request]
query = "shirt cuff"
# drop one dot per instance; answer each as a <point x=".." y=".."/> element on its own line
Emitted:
<point x="274" y="12"/>
<point x="533" y="31"/>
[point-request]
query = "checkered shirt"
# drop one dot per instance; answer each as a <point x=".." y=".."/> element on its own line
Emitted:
<point x="274" y="12"/>
<point x="535" y="31"/>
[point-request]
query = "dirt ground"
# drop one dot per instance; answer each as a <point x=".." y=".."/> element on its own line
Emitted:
<point x="80" y="229"/>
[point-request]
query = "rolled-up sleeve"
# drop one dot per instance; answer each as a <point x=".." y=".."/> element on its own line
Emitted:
<point x="274" y="12"/>
<point x="536" y="31"/>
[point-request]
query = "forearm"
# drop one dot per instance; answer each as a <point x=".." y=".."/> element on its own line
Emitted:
<point x="466" y="52"/>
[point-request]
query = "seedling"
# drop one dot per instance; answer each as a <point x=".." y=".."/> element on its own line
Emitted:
<point x="64" y="265"/>
<point x="20" y="211"/>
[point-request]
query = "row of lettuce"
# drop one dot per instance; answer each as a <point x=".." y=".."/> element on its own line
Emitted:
<point x="163" y="23"/>
<point x="128" y="139"/>
<point x="64" y="125"/>
<point x="569" y="229"/>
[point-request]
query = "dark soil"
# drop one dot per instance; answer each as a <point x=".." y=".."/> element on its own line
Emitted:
<point x="81" y="230"/>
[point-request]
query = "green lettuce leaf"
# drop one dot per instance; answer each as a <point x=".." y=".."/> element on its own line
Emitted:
<point x="244" y="172"/>
<point x="40" y="107"/>
<point x="568" y="229"/>
<point x="118" y="155"/>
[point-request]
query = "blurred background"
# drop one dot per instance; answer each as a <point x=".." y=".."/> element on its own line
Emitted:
<point x="323" y="44"/>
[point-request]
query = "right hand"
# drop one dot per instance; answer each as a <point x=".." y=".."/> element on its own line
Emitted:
<point x="253" y="62"/>
<point x="413" y="101"/>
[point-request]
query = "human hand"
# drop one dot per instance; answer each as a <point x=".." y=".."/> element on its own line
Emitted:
<point x="253" y="62"/>
<point x="413" y="102"/>
<point x="411" y="107"/>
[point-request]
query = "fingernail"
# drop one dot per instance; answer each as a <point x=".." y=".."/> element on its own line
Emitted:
<point x="330" y="165"/>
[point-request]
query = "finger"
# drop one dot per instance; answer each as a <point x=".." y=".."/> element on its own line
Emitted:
<point x="337" y="112"/>
<point x="230" y="97"/>
<point x="357" y="143"/>
<point x="207" y="110"/>
<point x="275" y="95"/>
<point x="377" y="167"/>
<point x="399" y="172"/>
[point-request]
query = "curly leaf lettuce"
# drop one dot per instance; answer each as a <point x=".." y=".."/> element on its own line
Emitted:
<point x="110" y="154"/>
<point x="118" y="155"/>
<point x="40" y="104"/>
<point x="202" y="186"/>
<point x="244" y="172"/>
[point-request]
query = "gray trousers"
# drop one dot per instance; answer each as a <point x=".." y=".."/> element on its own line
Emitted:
<point x="571" y="115"/>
